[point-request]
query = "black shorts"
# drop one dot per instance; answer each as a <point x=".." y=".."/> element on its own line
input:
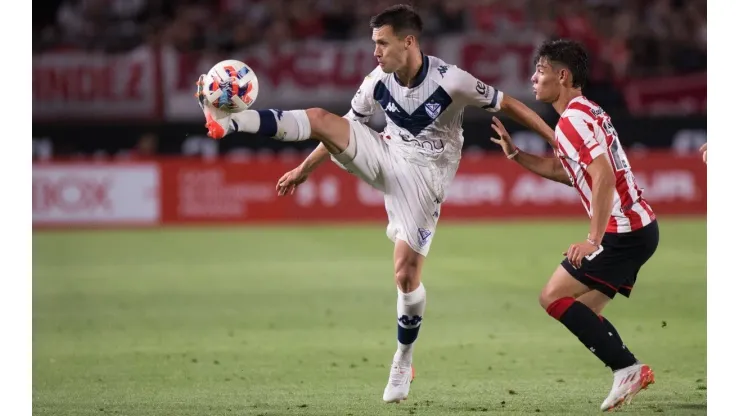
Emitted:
<point x="615" y="268"/>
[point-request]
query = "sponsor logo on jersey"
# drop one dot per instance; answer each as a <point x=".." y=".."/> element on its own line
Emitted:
<point x="482" y="89"/>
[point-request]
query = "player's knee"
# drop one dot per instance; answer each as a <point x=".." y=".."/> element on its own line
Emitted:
<point x="326" y="128"/>
<point x="548" y="295"/>
<point x="317" y="117"/>
<point x="544" y="299"/>
<point x="407" y="275"/>
<point x="406" y="280"/>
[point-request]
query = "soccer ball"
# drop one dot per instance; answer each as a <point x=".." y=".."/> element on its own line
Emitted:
<point x="230" y="86"/>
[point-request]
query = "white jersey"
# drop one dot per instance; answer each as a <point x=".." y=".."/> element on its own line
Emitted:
<point x="425" y="119"/>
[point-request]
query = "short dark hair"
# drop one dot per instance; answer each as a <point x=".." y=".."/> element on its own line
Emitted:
<point x="401" y="17"/>
<point x="569" y="53"/>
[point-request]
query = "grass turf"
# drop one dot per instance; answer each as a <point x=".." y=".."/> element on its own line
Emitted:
<point x="283" y="321"/>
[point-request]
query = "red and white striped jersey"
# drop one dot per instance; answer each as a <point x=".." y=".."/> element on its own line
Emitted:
<point x="584" y="133"/>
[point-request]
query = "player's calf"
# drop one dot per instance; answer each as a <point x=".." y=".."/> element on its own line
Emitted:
<point x="289" y="126"/>
<point x="582" y="322"/>
<point x="411" y="297"/>
<point x="293" y="125"/>
<point x="410" y="306"/>
<point x="410" y="310"/>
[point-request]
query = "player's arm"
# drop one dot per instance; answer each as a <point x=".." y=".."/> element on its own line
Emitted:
<point x="590" y="153"/>
<point x="475" y="92"/>
<point x="315" y="159"/>
<point x="528" y="118"/>
<point x="547" y="167"/>
<point x="603" y="183"/>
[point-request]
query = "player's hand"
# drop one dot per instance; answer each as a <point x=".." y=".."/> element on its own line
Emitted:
<point x="504" y="139"/>
<point x="290" y="181"/>
<point x="703" y="150"/>
<point x="578" y="251"/>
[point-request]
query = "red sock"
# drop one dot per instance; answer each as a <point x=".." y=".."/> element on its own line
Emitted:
<point x="558" y="308"/>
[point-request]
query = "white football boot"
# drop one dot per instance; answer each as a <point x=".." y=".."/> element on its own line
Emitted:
<point x="399" y="382"/>
<point x="627" y="383"/>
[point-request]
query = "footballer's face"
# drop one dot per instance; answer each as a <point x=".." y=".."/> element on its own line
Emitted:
<point x="391" y="51"/>
<point x="546" y="81"/>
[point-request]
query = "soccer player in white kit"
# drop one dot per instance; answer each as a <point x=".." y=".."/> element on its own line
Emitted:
<point x="413" y="161"/>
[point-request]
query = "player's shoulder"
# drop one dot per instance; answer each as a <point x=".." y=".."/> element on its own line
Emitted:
<point x="439" y="70"/>
<point x="374" y="76"/>
<point x="370" y="82"/>
<point x="583" y="109"/>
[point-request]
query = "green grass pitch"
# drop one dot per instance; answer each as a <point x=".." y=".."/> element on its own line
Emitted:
<point x="301" y="321"/>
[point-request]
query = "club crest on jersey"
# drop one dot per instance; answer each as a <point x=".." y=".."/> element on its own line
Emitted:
<point x="432" y="109"/>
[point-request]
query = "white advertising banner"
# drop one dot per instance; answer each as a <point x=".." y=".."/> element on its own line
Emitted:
<point x="89" y="194"/>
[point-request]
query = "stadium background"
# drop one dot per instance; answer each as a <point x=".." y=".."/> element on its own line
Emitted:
<point x="286" y="303"/>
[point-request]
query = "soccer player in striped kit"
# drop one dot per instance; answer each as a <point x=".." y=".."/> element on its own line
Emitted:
<point x="623" y="231"/>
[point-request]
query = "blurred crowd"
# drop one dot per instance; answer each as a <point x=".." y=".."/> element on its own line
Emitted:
<point x="634" y="38"/>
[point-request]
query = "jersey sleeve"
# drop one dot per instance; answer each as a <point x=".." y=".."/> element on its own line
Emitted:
<point x="363" y="104"/>
<point x="472" y="91"/>
<point x="581" y="141"/>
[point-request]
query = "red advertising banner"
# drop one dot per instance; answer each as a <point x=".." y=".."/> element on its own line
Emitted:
<point x="155" y="83"/>
<point x="79" y="85"/>
<point x="486" y="187"/>
<point x="195" y="192"/>
<point x="329" y="73"/>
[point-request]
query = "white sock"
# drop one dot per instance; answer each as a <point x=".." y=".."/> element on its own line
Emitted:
<point x="288" y="126"/>
<point x="410" y="309"/>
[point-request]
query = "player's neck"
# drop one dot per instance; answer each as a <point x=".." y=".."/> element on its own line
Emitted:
<point x="408" y="74"/>
<point x="565" y="98"/>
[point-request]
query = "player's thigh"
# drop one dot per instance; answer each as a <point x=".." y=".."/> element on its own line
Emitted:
<point x="330" y="129"/>
<point x="412" y="204"/>
<point x="407" y="264"/>
<point x="613" y="269"/>
<point x="365" y="156"/>
<point x="561" y="285"/>
<point x="595" y="300"/>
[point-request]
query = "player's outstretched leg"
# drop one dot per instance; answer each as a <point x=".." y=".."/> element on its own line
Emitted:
<point x="283" y="125"/>
<point x="291" y="126"/>
<point x="409" y="311"/>
<point x="581" y="317"/>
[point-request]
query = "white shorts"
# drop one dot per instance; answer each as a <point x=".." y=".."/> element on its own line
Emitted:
<point x="411" y="201"/>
